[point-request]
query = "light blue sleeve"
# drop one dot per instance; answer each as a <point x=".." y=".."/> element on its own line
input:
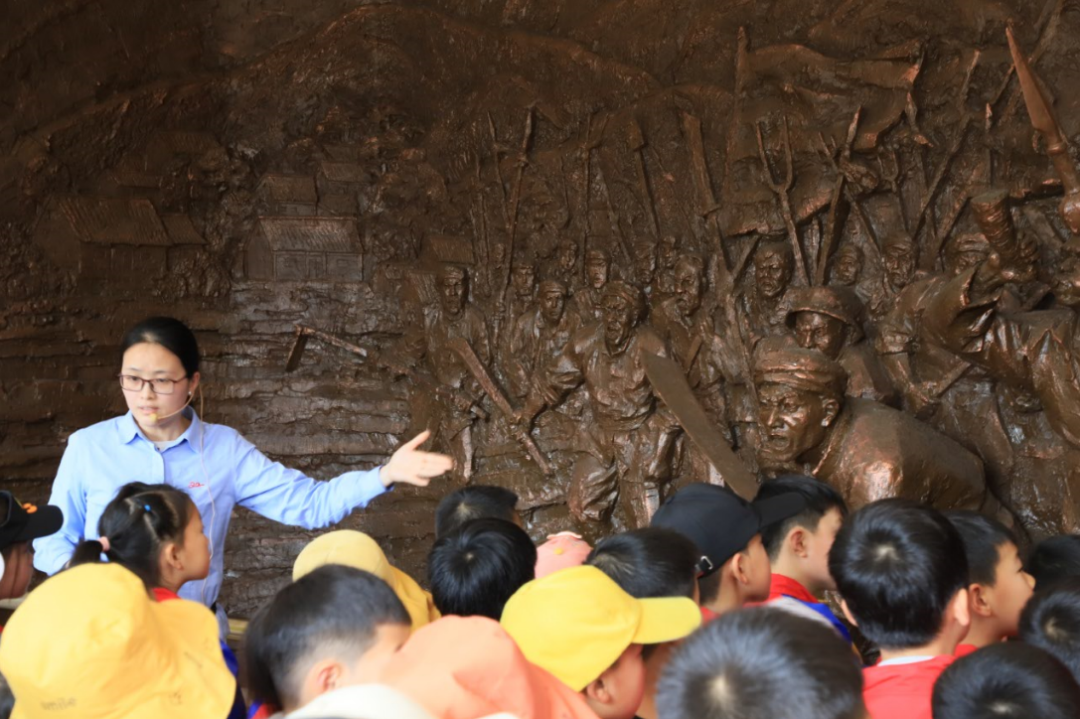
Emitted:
<point x="52" y="552"/>
<point x="291" y="497"/>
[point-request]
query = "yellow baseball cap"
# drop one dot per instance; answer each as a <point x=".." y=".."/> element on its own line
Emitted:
<point x="90" y="643"/>
<point x="358" y="550"/>
<point x="577" y="622"/>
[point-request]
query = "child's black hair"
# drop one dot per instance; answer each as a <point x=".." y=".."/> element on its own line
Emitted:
<point x="1051" y="621"/>
<point x="762" y="663"/>
<point x="476" y="502"/>
<point x="1054" y="558"/>
<point x="983" y="539"/>
<point x="820" y="498"/>
<point x="898" y="565"/>
<point x="170" y="333"/>
<point x="138" y="522"/>
<point x="1010" y="680"/>
<point x="475" y="570"/>
<point x="648" y="562"/>
<point x="333" y="611"/>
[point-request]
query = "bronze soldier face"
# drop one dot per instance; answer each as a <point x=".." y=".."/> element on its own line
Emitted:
<point x="1067" y="281"/>
<point x="688" y="287"/>
<point x="815" y="331"/>
<point x="452" y="292"/>
<point x="552" y="305"/>
<point x="596" y="270"/>
<point x="524" y="280"/>
<point x="667" y="252"/>
<point x="567" y="257"/>
<point x="848" y="266"/>
<point x="793" y="421"/>
<point x="772" y="272"/>
<point x="619" y="320"/>
<point x="899" y="261"/>
<point x="644" y="266"/>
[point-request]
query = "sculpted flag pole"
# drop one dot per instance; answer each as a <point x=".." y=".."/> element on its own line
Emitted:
<point x="781" y="188"/>
<point x="468" y="355"/>
<point x="670" y="385"/>
<point x="1043" y="120"/>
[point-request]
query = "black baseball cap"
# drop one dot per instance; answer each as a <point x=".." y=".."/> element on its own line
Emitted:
<point x="22" y="522"/>
<point x="720" y="522"/>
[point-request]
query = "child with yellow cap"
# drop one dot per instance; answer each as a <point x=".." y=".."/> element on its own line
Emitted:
<point x="358" y="550"/>
<point x="582" y="627"/>
<point x="90" y="643"/>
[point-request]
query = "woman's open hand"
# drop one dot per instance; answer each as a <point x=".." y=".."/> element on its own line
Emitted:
<point x="409" y="465"/>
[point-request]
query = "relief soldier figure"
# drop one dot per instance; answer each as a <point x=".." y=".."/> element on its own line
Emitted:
<point x="565" y="261"/>
<point x="667" y="254"/>
<point x="936" y="383"/>
<point x="625" y="450"/>
<point x="766" y="308"/>
<point x="899" y="260"/>
<point x="586" y="302"/>
<point x="829" y="320"/>
<point x="643" y="267"/>
<point x="428" y="345"/>
<point x="847" y="266"/>
<point x="539" y="336"/>
<point x="687" y="327"/>
<point x="867" y="451"/>
<point x="522" y="289"/>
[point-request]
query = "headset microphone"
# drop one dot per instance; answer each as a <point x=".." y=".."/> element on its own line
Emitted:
<point x="155" y="417"/>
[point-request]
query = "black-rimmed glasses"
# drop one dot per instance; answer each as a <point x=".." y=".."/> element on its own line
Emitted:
<point x="160" y="385"/>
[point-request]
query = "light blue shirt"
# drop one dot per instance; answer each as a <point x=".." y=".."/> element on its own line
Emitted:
<point x="214" y="464"/>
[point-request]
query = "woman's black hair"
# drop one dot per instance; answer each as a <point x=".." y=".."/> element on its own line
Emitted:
<point x="137" y="522"/>
<point x="170" y="333"/>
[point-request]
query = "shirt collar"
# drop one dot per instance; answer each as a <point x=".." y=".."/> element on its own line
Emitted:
<point x="788" y="587"/>
<point x="128" y="429"/>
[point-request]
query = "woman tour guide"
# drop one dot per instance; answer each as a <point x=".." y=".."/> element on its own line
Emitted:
<point x="162" y="440"/>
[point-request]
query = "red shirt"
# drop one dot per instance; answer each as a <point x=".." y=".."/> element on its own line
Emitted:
<point x="962" y="650"/>
<point x="902" y="691"/>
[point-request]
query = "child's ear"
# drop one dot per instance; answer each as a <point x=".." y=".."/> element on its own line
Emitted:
<point x="170" y="555"/>
<point x="978" y="601"/>
<point x="847" y="613"/>
<point x="796" y="539"/>
<point x="960" y="608"/>
<point x="738" y="568"/>
<point x="326" y="676"/>
<point x="597" y="691"/>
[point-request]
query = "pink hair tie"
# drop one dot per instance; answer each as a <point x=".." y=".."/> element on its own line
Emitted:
<point x="104" y="544"/>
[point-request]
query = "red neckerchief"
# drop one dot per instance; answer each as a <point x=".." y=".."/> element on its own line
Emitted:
<point x="782" y="586"/>
<point x="163" y="595"/>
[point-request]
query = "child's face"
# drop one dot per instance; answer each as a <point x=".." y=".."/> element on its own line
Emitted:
<point x="18" y="568"/>
<point x="389" y="639"/>
<point x="818" y="544"/>
<point x="758" y="571"/>
<point x="1012" y="588"/>
<point x="624" y="683"/>
<point x="195" y="553"/>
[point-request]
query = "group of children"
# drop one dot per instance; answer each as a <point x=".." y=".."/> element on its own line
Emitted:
<point x="715" y="611"/>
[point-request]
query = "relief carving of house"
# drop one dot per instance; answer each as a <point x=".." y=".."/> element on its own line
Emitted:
<point x="305" y="248"/>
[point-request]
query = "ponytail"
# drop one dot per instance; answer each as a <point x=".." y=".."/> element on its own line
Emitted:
<point x="135" y="526"/>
